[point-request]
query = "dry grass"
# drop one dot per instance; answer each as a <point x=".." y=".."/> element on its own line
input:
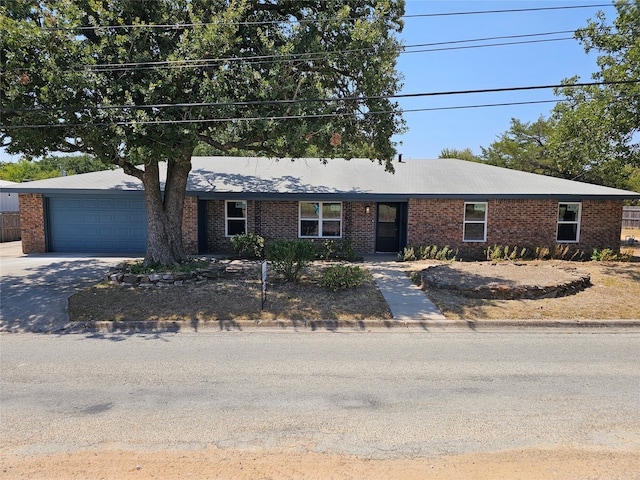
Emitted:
<point x="235" y="296"/>
<point x="614" y="294"/>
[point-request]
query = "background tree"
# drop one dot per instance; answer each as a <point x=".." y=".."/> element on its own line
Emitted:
<point x="525" y="147"/>
<point x="465" y="154"/>
<point x="593" y="135"/>
<point x="598" y="127"/>
<point x="49" y="167"/>
<point x="139" y="82"/>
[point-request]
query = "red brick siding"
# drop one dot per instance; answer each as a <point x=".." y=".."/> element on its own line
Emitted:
<point x="362" y="228"/>
<point x="523" y="223"/>
<point x="435" y="222"/>
<point x="32" y="223"/>
<point x="190" y="225"/>
<point x="600" y="224"/>
<point x="277" y="220"/>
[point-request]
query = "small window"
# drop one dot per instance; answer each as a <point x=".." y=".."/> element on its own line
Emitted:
<point x="320" y="220"/>
<point x="568" y="222"/>
<point x="235" y="217"/>
<point x="475" y="222"/>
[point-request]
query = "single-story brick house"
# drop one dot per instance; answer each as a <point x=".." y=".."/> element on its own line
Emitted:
<point x="467" y="206"/>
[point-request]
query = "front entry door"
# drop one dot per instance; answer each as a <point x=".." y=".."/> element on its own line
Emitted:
<point x="388" y="227"/>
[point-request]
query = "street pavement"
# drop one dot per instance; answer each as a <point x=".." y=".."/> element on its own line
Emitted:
<point x="375" y="394"/>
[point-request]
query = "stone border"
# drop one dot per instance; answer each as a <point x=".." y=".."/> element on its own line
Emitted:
<point x="496" y="291"/>
<point x="216" y="270"/>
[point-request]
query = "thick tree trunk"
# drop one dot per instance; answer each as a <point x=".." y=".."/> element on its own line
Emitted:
<point x="164" y="212"/>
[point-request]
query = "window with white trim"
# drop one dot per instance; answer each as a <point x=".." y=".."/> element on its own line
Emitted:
<point x="475" y="222"/>
<point x="235" y="213"/>
<point x="568" y="223"/>
<point x="320" y="219"/>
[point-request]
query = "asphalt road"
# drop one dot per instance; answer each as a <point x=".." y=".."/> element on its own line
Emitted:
<point x="380" y="395"/>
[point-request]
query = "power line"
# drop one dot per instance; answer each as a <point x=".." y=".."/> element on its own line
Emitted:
<point x="310" y="56"/>
<point x="314" y="100"/>
<point x="514" y="10"/>
<point x="172" y="26"/>
<point x="281" y="117"/>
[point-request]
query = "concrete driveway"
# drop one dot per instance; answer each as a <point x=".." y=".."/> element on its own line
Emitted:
<point x="34" y="288"/>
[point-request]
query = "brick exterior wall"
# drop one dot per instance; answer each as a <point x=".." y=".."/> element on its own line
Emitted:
<point x="514" y="222"/>
<point x="525" y="223"/>
<point x="278" y="220"/>
<point x="190" y="225"/>
<point x="32" y="223"/>
<point x="601" y="225"/>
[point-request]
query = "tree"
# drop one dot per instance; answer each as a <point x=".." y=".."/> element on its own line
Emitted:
<point x="525" y="147"/>
<point x="139" y="82"/>
<point x="466" y="154"/>
<point x="49" y="167"/>
<point x="598" y="126"/>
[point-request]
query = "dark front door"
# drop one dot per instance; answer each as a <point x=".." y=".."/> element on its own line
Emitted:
<point x="388" y="229"/>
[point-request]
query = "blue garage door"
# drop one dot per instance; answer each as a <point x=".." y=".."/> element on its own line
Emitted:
<point x="97" y="224"/>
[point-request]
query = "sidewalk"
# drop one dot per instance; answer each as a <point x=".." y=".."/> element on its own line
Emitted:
<point x="406" y="300"/>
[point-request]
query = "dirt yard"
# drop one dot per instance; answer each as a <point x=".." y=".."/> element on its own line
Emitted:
<point x="213" y="463"/>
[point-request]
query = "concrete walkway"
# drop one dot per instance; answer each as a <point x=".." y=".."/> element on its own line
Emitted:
<point x="408" y="303"/>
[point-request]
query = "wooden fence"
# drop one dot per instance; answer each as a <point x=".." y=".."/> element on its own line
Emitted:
<point x="9" y="226"/>
<point x="630" y="217"/>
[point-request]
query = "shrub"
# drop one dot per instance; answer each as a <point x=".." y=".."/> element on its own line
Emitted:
<point x="290" y="257"/>
<point x="505" y="252"/>
<point x="339" y="277"/>
<point x="608" y="255"/>
<point x="248" y="245"/>
<point x="428" y="252"/>
<point x="139" y="268"/>
<point x="331" y="249"/>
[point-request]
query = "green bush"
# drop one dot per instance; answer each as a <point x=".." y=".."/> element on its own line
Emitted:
<point x="139" y="268"/>
<point x="248" y="245"/>
<point x="608" y="255"/>
<point x="428" y="252"/>
<point x="332" y="249"/>
<point x="505" y="252"/>
<point x="290" y="257"/>
<point x="337" y="277"/>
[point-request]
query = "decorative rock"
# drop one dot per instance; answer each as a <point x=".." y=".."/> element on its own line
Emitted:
<point x="473" y="286"/>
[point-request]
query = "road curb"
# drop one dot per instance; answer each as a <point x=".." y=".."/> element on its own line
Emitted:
<point x="343" y="326"/>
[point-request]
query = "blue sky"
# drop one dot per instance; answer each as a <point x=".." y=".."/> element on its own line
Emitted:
<point x="483" y="68"/>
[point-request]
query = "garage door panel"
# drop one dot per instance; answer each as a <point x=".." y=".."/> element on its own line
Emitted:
<point x="97" y="224"/>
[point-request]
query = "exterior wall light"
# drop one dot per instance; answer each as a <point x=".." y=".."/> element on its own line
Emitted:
<point x="367" y="209"/>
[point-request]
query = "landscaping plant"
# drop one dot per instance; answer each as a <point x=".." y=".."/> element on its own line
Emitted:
<point x="290" y="257"/>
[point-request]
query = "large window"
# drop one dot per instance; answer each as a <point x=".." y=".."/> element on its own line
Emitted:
<point x="235" y="217"/>
<point x="320" y="219"/>
<point x="568" y="222"/>
<point x="475" y="222"/>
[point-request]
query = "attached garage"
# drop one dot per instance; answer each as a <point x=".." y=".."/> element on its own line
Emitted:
<point x="96" y="224"/>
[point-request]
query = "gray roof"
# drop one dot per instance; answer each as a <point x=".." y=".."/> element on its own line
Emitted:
<point x="254" y="178"/>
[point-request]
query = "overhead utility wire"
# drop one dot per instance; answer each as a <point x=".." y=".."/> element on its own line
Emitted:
<point x="307" y="56"/>
<point x="283" y="117"/>
<point x="316" y="20"/>
<point x="315" y="100"/>
<point x="513" y="10"/>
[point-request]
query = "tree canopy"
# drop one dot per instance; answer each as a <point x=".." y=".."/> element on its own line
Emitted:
<point x="49" y="167"/>
<point x="593" y="134"/>
<point x="137" y="82"/>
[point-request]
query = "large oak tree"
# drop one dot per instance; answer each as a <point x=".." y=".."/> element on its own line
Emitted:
<point x="139" y="82"/>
